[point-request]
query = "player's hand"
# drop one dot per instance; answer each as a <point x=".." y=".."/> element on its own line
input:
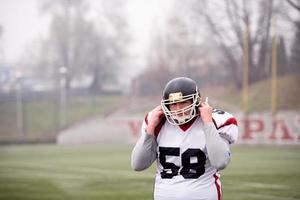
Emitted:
<point x="205" y="111"/>
<point x="156" y="115"/>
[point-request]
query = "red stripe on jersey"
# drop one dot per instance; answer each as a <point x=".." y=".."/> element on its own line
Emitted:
<point x="146" y="119"/>
<point x="215" y="123"/>
<point x="159" y="126"/>
<point x="217" y="186"/>
<point x="229" y="121"/>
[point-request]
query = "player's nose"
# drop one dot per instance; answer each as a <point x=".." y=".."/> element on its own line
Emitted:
<point x="175" y="106"/>
<point x="179" y="106"/>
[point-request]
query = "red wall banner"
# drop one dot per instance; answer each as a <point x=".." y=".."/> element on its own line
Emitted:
<point x="257" y="128"/>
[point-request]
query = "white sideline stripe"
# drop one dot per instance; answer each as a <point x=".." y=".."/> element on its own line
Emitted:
<point x="72" y="173"/>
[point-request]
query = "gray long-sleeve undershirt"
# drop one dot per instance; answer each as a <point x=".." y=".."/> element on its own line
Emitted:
<point x="218" y="149"/>
<point x="144" y="152"/>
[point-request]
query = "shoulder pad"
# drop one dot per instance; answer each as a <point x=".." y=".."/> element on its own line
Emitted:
<point x="222" y="118"/>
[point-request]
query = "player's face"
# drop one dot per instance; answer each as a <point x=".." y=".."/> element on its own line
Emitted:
<point x="181" y="105"/>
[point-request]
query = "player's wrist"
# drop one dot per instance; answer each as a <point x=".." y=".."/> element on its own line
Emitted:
<point x="150" y="130"/>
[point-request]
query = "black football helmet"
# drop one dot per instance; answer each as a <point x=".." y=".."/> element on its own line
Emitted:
<point x="179" y="90"/>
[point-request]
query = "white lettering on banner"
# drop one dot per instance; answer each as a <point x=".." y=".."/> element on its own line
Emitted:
<point x="258" y="128"/>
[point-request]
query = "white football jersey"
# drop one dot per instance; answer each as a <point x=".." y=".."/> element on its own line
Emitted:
<point x="183" y="167"/>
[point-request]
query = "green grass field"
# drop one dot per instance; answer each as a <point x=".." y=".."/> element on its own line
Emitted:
<point x="103" y="172"/>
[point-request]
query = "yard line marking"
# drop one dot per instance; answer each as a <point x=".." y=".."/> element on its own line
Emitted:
<point x="265" y="185"/>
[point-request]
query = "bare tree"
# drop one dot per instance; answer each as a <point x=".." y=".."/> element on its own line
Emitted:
<point x="93" y="47"/>
<point x="295" y="49"/>
<point x="237" y="18"/>
<point x="69" y="33"/>
<point x="206" y="40"/>
<point x="185" y="48"/>
<point x="282" y="58"/>
<point x="109" y="43"/>
<point x="295" y="4"/>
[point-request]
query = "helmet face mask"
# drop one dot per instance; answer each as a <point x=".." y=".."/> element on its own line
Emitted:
<point x="180" y="90"/>
<point x="183" y="115"/>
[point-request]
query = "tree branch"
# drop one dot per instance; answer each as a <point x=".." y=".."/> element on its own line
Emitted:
<point x="294" y="5"/>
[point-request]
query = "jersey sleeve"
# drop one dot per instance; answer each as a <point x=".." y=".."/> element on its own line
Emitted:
<point x="144" y="152"/>
<point x="226" y="125"/>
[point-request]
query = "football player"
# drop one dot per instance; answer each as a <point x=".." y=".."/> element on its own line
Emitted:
<point x="190" y="142"/>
